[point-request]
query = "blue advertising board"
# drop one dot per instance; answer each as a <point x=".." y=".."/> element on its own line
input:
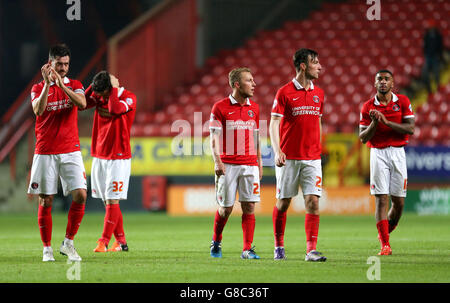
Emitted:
<point x="428" y="163"/>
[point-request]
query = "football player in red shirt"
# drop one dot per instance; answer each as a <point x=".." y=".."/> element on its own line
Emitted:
<point x="235" y="145"/>
<point x="115" y="109"/>
<point x="55" y="102"/>
<point x="295" y="133"/>
<point x="386" y="122"/>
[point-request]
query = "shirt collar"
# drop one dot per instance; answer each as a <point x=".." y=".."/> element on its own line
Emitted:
<point x="65" y="80"/>
<point x="298" y="86"/>
<point x="234" y="101"/>
<point x="394" y="99"/>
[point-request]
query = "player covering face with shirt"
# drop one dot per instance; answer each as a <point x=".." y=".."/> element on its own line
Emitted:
<point x="386" y="122"/>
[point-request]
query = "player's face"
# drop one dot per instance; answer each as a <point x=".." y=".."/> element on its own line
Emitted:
<point x="313" y="69"/>
<point x="384" y="82"/>
<point x="61" y="65"/>
<point x="246" y="85"/>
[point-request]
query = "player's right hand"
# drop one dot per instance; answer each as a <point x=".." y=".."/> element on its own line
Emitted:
<point x="280" y="159"/>
<point x="219" y="168"/>
<point x="46" y="71"/>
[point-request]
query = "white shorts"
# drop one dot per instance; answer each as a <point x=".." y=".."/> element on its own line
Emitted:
<point x="47" y="169"/>
<point x="110" y="178"/>
<point x="238" y="178"/>
<point x="388" y="172"/>
<point x="295" y="173"/>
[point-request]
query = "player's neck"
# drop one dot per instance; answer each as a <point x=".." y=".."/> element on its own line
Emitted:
<point x="384" y="98"/>
<point x="303" y="80"/>
<point x="239" y="98"/>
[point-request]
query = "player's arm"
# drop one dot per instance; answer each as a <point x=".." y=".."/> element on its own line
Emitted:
<point x="118" y="105"/>
<point x="40" y="102"/>
<point x="406" y="127"/>
<point x="367" y="132"/>
<point x="214" y="140"/>
<point x="274" y="131"/>
<point x="90" y="100"/>
<point x="76" y="98"/>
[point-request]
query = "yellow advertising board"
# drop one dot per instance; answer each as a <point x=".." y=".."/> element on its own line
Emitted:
<point x="200" y="200"/>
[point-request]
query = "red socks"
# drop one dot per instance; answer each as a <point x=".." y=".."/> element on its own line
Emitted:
<point x="76" y="213"/>
<point x="119" y="233"/>
<point x="45" y="224"/>
<point x="110" y="222"/>
<point x="383" y="232"/>
<point x="312" y="231"/>
<point x="219" y="224"/>
<point x="248" y="229"/>
<point x="279" y="224"/>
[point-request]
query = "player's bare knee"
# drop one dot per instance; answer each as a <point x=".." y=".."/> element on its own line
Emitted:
<point x="283" y="204"/>
<point x="225" y="212"/>
<point x="248" y="208"/>
<point x="79" y="196"/>
<point x="312" y="204"/>
<point x="398" y="202"/>
<point x="45" y="200"/>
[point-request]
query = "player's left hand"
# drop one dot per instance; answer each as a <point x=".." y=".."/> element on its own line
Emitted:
<point x="57" y="78"/>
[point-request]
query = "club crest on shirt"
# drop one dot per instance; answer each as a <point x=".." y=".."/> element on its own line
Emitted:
<point x="250" y="113"/>
<point x="395" y="107"/>
<point x="34" y="185"/>
<point x="316" y="99"/>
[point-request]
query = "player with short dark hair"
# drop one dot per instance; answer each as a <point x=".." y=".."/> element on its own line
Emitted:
<point x="295" y="134"/>
<point x="115" y="109"/>
<point x="386" y="122"/>
<point x="55" y="102"/>
<point x="237" y="161"/>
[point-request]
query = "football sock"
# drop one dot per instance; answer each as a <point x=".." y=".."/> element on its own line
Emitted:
<point x="119" y="233"/>
<point x="45" y="224"/>
<point x="383" y="231"/>
<point x="248" y="229"/>
<point x="279" y="225"/>
<point x="219" y="224"/>
<point x="76" y="213"/>
<point x="110" y="221"/>
<point x="312" y="231"/>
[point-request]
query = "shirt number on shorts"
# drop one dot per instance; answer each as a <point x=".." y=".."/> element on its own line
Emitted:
<point x="319" y="182"/>
<point x="117" y="186"/>
<point x="256" y="188"/>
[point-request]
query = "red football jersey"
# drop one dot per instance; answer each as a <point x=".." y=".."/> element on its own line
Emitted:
<point x="398" y="109"/>
<point x="238" y="124"/>
<point x="57" y="128"/>
<point x="111" y="135"/>
<point x="301" y="111"/>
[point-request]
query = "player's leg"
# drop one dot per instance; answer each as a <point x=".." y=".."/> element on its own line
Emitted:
<point x="121" y="243"/>
<point x="109" y="224"/>
<point x="395" y="212"/>
<point x="225" y="187"/>
<point x="45" y="225"/>
<point x="73" y="181"/>
<point x="311" y="183"/>
<point x="248" y="229"/>
<point x="288" y="180"/>
<point x="379" y="187"/>
<point x="397" y="187"/>
<point x="44" y="182"/>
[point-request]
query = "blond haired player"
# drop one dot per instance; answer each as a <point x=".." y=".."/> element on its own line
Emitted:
<point x="237" y="161"/>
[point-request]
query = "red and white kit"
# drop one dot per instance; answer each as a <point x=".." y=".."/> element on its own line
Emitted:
<point x="57" y="151"/>
<point x="388" y="171"/>
<point x="111" y="150"/>
<point x="301" y="111"/>
<point x="238" y="150"/>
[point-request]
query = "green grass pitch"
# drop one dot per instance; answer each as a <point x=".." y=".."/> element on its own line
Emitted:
<point x="176" y="249"/>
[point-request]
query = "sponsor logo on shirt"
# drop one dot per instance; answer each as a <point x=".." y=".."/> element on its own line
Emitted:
<point x="57" y="105"/>
<point x="239" y="124"/>
<point x="306" y="110"/>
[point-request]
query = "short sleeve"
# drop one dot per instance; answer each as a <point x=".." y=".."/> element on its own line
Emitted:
<point x="35" y="92"/>
<point x="364" y="117"/>
<point x="279" y="103"/>
<point x="407" y="112"/>
<point x="77" y="87"/>
<point x="215" y="118"/>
